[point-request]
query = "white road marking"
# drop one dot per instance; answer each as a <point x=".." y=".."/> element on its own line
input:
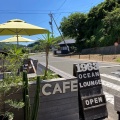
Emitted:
<point x="109" y="97"/>
<point x="109" y="66"/>
<point x="111" y="85"/>
<point x="116" y="73"/>
<point x="110" y="77"/>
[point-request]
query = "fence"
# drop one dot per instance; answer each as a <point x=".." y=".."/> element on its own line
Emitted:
<point x="102" y="50"/>
<point x="97" y="57"/>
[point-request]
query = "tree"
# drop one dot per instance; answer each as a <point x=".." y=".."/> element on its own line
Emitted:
<point x="48" y="41"/>
<point x="97" y="13"/>
<point x="111" y="25"/>
<point x="39" y="44"/>
<point x="74" y="26"/>
<point x="95" y="26"/>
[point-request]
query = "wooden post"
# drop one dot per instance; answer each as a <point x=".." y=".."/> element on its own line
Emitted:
<point x="89" y="56"/>
<point x="102" y="57"/>
<point x="115" y="44"/>
<point x="79" y="55"/>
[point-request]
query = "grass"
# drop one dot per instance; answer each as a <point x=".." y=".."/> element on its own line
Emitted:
<point x="118" y="60"/>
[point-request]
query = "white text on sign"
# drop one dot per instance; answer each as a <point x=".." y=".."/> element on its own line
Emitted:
<point x="87" y="66"/>
<point x="89" y="102"/>
<point x="89" y="75"/>
<point x="90" y="83"/>
<point x="69" y="85"/>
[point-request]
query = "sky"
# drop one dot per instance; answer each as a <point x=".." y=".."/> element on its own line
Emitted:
<point x="37" y="12"/>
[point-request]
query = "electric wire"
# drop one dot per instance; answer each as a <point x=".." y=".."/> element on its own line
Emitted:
<point x="8" y="11"/>
<point x="61" y="5"/>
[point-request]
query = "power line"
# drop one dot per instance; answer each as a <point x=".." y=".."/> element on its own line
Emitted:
<point x="8" y="11"/>
<point x="14" y="12"/>
<point x="61" y="5"/>
<point x="52" y="18"/>
<point x="58" y="16"/>
<point x="25" y="12"/>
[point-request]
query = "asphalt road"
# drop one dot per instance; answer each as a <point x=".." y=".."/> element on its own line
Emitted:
<point x="109" y="74"/>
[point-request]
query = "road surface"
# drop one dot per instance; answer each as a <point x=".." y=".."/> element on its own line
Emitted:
<point x="109" y="72"/>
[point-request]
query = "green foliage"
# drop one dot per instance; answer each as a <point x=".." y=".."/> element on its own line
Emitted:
<point x="3" y="45"/>
<point x="99" y="27"/>
<point x="74" y="26"/>
<point x="48" y="42"/>
<point x="49" y="75"/>
<point x="97" y="13"/>
<point x="10" y="115"/>
<point x="40" y="47"/>
<point x="112" y="25"/>
<point x="15" y="104"/>
<point x="30" y="113"/>
<point x="7" y="47"/>
<point x="118" y="59"/>
<point x="26" y="98"/>
<point x="17" y="54"/>
<point x="36" y="100"/>
<point x="12" y="79"/>
<point x="33" y="44"/>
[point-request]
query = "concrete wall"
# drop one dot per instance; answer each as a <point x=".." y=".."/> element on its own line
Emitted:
<point x="102" y="50"/>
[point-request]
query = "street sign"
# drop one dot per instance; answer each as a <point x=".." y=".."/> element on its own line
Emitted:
<point x="92" y="102"/>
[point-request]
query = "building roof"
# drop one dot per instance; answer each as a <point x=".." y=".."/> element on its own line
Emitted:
<point x="69" y="41"/>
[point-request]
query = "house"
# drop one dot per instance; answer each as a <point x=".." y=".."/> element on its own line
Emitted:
<point x="67" y="46"/>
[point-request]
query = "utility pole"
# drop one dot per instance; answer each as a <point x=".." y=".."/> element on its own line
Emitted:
<point x="50" y="22"/>
<point x="52" y="18"/>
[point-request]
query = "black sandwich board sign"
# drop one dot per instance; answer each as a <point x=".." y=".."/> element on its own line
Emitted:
<point x="92" y="102"/>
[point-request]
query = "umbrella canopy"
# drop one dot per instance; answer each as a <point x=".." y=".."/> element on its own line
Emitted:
<point x="14" y="39"/>
<point x="20" y="27"/>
